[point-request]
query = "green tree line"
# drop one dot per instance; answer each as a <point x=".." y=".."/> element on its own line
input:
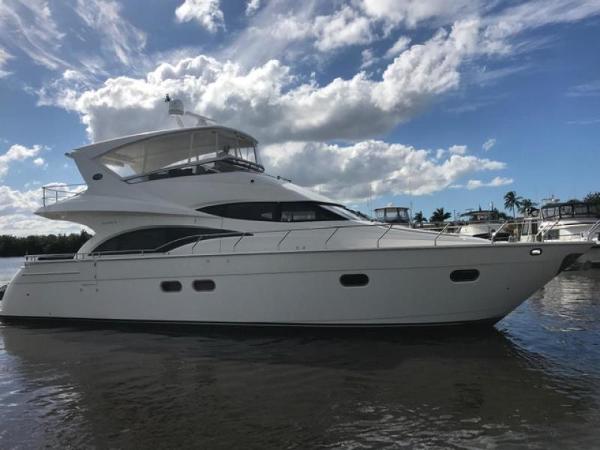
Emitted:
<point x="37" y="245"/>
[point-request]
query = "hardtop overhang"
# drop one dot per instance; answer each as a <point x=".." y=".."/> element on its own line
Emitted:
<point x="100" y="148"/>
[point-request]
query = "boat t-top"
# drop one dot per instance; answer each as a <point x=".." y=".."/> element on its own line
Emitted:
<point x="190" y="228"/>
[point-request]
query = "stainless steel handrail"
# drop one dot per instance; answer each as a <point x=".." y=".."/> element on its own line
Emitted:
<point x="385" y="232"/>
<point x="55" y="192"/>
<point x="330" y="236"/>
<point x="283" y="238"/>
<point x="495" y="233"/>
<point x="439" y="234"/>
<point x="198" y="238"/>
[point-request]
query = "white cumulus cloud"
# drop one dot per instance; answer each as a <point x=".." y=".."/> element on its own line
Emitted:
<point x="345" y="27"/>
<point x="15" y="201"/>
<point x="206" y="12"/>
<point x="16" y="212"/>
<point x="354" y="172"/>
<point x="458" y="149"/>
<point x="17" y="153"/>
<point x="268" y="101"/>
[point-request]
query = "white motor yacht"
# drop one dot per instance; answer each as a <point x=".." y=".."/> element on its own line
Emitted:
<point x="481" y="223"/>
<point x="190" y="229"/>
<point x="565" y="222"/>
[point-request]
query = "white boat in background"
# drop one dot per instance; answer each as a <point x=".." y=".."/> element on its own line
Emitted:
<point x="397" y="215"/>
<point x="565" y="222"/>
<point x="190" y="229"/>
<point x="481" y="223"/>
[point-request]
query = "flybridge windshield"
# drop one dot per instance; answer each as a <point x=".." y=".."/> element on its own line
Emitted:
<point x="392" y="215"/>
<point x="567" y="210"/>
<point x="180" y="149"/>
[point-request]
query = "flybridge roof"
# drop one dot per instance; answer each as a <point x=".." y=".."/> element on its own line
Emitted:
<point x="99" y="148"/>
<point x="147" y="153"/>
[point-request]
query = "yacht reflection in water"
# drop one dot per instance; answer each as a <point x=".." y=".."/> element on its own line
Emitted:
<point x="98" y="387"/>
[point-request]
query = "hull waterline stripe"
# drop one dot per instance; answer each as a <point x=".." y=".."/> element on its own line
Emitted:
<point x="25" y="319"/>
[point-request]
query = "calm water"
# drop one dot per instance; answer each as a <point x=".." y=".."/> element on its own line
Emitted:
<point x="533" y="381"/>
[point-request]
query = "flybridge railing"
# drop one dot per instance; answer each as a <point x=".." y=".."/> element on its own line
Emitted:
<point x="52" y="194"/>
<point x="190" y="168"/>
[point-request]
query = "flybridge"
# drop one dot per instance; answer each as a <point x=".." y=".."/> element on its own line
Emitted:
<point x="192" y="151"/>
<point x="205" y="148"/>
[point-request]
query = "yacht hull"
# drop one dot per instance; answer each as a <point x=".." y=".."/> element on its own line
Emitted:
<point x="409" y="286"/>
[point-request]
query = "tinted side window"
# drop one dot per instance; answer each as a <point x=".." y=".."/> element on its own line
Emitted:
<point x="274" y="211"/>
<point x="265" y="211"/>
<point x="252" y="211"/>
<point x="306" y="212"/>
<point x="159" y="238"/>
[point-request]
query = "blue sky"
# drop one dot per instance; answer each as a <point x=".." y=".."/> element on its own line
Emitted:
<point x="428" y="103"/>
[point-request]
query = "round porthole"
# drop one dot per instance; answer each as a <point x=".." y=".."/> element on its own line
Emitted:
<point x="97" y="176"/>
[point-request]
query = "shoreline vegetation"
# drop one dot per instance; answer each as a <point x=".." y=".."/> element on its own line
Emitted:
<point x="11" y="246"/>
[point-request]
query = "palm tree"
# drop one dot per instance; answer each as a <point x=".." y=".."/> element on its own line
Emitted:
<point x="419" y="218"/>
<point x="526" y="204"/>
<point x="439" y="216"/>
<point x="512" y="201"/>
